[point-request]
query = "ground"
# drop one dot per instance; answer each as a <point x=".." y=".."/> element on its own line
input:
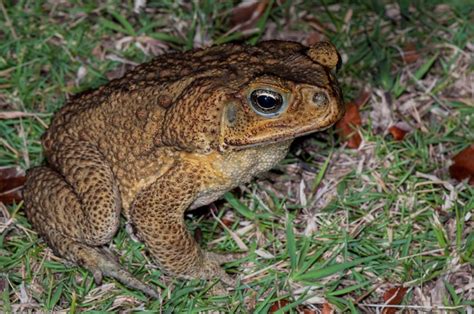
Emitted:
<point x="346" y="223"/>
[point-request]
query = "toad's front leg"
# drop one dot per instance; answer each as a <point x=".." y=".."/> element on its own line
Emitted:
<point x="158" y="215"/>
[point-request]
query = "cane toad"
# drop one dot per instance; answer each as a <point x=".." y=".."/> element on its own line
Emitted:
<point x="169" y="136"/>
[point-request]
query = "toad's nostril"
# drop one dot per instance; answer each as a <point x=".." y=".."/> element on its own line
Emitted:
<point x="320" y="99"/>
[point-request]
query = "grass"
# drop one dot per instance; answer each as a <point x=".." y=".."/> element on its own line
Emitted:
<point x="330" y="224"/>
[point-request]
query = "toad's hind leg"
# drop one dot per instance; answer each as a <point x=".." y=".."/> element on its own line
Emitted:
<point x="52" y="206"/>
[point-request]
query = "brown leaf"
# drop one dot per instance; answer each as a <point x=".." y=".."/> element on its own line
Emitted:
<point x="226" y="221"/>
<point x="410" y="55"/>
<point x="397" y="133"/>
<point x="463" y="166"/>
<point x="10" y="197"/>
<point x="346" y="127"/>
<point x="246" y="14"/>
<point x="393" y="296"/>
<point x="11" y="177"/>
<point x="11" y="183"/>
<point x="327" y="309"/>
<point x="278" y="305"/>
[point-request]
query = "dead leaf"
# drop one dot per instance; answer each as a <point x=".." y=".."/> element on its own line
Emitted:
<point x="347" y="126"/>
<point x="226" y="221"/>
<point x="463" y="166"/>
<point x="327" y="309"/>
<point x="11" y="184"/>
<point x="397" y="133"/>
<point x="278" y="305"/>
<point x="11" y="177"/>
<point x="10" y="197"/>
<point x="393" y="296"/>
<point x="410" y="55"/>
<point x="246" y="14"/>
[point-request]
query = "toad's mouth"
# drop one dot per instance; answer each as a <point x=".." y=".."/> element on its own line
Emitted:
<point x="276" y="138"/>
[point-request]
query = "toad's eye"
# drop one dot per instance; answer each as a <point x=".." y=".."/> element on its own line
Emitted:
<point x="266" y="102"/>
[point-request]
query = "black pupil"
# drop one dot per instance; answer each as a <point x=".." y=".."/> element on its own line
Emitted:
<point x="266" y="102"/>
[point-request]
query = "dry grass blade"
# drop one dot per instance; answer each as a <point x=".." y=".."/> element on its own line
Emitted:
<point x="19" y="114"/>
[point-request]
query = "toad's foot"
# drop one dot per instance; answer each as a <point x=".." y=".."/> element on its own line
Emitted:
<point x="101" y="263"/>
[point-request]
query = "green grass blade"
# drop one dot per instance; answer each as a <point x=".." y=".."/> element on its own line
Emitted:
<point x="266" y="303"/>
<point x="332" y="269"/>
<point x="55" y="297"/>
<point x="305" y="266"/>
<point x="7" y="307"/>
<point x="239" y="206"/>
<point x="349" y="289"/>
<point x="123" y="21"/>
<point x="167" y="38"/>
<point x="261" y="23"/>
<point x="291" y="243"/>
<point x="321" y="173"/>
<point x="425" y="67"/>
<point x="113" y="26"/>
